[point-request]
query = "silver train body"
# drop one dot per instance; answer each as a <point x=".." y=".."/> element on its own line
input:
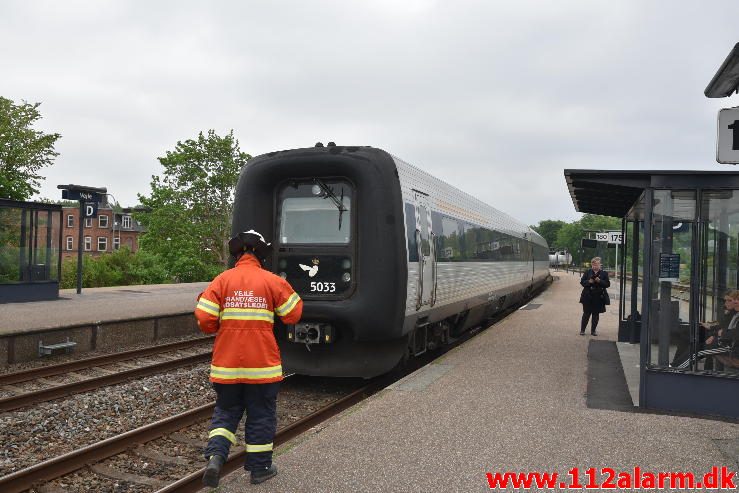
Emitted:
<point x="413" y="264"/>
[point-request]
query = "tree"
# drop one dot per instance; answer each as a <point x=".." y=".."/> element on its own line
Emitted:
<point x="23" y="150"/>
<point x="189" y="223"/>
<point x="548" y="229"/>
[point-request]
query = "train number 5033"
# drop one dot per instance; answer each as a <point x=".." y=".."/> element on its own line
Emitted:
<point x="322" y="287"/>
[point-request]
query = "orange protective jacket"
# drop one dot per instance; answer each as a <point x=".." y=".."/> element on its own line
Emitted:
<point x="239" y="306"/>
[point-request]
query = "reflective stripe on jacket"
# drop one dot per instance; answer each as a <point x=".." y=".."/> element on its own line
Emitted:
<point x="239" y="307"/>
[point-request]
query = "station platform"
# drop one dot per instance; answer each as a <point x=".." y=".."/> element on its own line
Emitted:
<point x="514" y="398"/>
<point x="97" y="318"/>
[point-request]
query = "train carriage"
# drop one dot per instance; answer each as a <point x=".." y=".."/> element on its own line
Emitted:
<point x="390" y="261"/>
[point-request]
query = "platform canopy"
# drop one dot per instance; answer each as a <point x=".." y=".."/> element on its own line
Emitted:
<point x="726" y="80"/>
<point x="614" y="192"/>
<point x="608" y="193"/>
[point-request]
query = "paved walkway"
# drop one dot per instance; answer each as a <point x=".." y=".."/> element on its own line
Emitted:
<point x="511" y="399"/>
<point x="99" y="304"/>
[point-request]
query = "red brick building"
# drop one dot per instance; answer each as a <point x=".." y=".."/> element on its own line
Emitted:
<point x="108" y="231"/>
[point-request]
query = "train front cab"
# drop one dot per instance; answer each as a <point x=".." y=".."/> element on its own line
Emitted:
<point x="336" y="225"/>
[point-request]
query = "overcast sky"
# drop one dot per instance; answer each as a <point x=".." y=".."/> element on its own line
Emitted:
<point x="496" y="98"/>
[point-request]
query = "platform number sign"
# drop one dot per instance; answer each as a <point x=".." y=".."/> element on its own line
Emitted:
<point x="91" y="209"/>
<point x="727" y="142"/>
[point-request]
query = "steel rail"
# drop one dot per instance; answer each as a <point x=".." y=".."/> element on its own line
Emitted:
<point x="193" y="481"/>
<point x="43" y="395"/>
<point x="48" y="371"/>
<point x="72" y="461"/>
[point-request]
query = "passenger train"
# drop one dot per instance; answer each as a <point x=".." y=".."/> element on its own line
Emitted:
<point x="390" y="261"/>
<point x="561" y="258"/>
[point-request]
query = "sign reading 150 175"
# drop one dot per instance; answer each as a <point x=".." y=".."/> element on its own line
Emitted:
<point x="727" y="141"/>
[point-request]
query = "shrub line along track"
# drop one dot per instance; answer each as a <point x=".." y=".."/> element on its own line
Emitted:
<point x="55" y="392"/>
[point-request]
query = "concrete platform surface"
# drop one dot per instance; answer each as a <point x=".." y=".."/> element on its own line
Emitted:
<point x="99" y="304"/>
<point x="511" y="399"/>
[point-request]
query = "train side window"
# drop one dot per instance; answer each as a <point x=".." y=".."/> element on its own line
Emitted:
<point x="470" y="241"/>
<point x="410" y="232"/>
<point x="450" y="248"/>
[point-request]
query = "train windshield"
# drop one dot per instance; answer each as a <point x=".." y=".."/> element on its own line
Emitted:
<point x="316" y="212"/>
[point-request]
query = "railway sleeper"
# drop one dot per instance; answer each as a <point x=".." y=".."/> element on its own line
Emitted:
<point x="111" y="473"/>
<point x="147" y="453"/>
<point x="186" y="440"/>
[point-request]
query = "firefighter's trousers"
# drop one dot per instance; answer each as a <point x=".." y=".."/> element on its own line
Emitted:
<point x="260" y="403"/>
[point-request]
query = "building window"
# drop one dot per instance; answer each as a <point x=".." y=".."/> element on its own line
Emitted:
<point x="70" y="243"/>
<point x="116" y="242"/>
<point x="103" y="221"/>
<point x="88" y="222"/>
<point x="126" y="222"/>
<point x="70" y="221"/>
<point x="88" y="243"/>
<point x="102" y="243"/>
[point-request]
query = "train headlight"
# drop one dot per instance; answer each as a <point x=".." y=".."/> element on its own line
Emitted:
<point x="316" y="190"/>
<point x="346" y="263"/>
<point x="282" y="263"/>
<point x="283" y="275"/>
<point x="346" y="277"/>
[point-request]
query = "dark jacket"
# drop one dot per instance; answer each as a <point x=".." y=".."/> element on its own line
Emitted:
<point x="595" y="294"/>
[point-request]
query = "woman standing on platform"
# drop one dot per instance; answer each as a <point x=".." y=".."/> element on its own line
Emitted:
<point x="594" y="296"/>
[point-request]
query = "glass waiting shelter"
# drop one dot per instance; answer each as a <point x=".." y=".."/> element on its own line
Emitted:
<point x="30" y="257"/>
<point x="679" y="280"/>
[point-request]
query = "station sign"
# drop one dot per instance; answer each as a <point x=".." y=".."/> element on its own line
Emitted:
<point x="91" y="209"/>
<point x="727" y="139"/>
<point x="615" y="237"/>
<point x="611" y="237"/>
<point x="82" y="196"/>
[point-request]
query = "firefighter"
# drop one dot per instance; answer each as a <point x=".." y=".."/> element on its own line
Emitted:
<point x="239" y="307"/>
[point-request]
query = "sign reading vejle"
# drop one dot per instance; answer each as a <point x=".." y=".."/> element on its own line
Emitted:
<point x="81" y="196"/>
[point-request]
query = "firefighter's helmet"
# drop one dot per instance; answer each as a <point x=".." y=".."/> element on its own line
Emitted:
<point x="250" y="241"/>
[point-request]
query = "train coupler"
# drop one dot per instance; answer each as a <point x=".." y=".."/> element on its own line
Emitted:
<point x="310" y="333"/>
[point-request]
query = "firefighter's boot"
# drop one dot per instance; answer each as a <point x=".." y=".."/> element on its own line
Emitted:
<point x="213" y="471"/>
<point x="263" y="474"/>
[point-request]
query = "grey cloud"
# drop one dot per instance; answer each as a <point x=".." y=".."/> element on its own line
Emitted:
<point x="496" y="98"/>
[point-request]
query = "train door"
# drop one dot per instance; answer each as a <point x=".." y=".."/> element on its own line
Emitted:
<point x="532" y="259"/>
<point x="426" y="255"/>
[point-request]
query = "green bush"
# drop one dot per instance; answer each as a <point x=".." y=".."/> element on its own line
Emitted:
<point x="9" y="267"/>
<point x="119" y="268"/>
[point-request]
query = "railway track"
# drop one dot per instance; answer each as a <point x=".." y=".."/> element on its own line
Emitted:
<point x="22" y="397"/>
<point x="49" y="470"/>
<point x="100" y="460"/>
